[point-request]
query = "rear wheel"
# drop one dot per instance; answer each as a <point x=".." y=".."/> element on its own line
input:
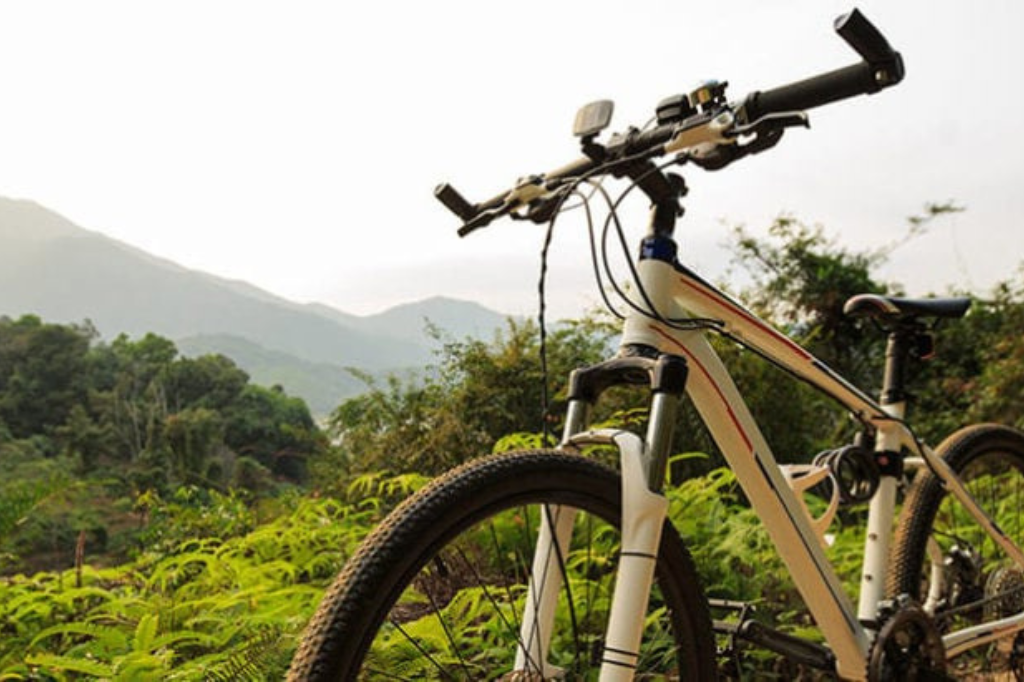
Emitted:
<point x="437" y="591"/>
<point x="944" y="560"/>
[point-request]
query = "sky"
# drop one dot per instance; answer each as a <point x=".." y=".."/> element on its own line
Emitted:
<point x="295" y="145"/>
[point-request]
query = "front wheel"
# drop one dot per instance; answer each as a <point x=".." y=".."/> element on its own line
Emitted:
<point x="949" y="565"/>
<point x="438" y="590"/>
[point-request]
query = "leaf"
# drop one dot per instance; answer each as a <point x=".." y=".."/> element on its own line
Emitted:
<point x="143" y="666"/>
<point x="167" y="640"/>
<point x="108" y="637"/>
<point x="78" y="665"/>
<point x="70" y="596"/>
<point x="145" y="632"/>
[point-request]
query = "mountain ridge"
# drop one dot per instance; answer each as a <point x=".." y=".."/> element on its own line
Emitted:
<point x="61" y="272"/>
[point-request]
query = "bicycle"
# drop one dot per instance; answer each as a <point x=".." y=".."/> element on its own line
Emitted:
<point x="547" y="564"/>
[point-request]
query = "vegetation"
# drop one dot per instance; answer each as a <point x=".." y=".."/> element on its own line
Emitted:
<point x="221" y="593"/>
<point x="163" y="518"/>
<point x="89" y="429"/>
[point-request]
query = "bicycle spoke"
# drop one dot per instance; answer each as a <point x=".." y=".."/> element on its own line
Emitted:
<point x="452" y="622"/>
<point x="426" y="654"/>
<point x="564" y="575"/>
<point x="377" y="673"/>
<point x="981" y="584"/>
<point x="439" y="615"/>
<point x="516" y="622"/>
<point x="494" y="602"/>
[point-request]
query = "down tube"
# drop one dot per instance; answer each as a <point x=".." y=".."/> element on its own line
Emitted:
<point x="720" y="405"/>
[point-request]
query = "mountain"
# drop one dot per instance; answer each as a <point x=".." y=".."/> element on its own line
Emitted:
<point x="52" y="268"/>
<point x="454" y="318"/>
<point x="322" y="385"/>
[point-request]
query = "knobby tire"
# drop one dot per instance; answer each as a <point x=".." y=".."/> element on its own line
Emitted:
<point x="398" y="610"/>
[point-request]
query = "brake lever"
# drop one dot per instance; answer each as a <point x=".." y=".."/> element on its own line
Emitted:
<point x="772" y="122"/>
<point x="482" y="219"/>
<point x="541" y="210"/>
<point x="767" y="132"/>
<point x="527" y="190"/>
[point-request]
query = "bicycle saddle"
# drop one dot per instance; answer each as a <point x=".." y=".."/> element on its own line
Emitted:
<point x="888" y="307"/>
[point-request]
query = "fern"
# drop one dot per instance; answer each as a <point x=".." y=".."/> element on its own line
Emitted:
<point x="68" y="663"/>
<point x="106" y="637"/>
<point x="251" y="661"/>
<point x="70" y="598"/>
<point x="145" y="633"/>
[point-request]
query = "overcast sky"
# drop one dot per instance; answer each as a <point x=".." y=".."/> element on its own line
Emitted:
<point x="295" y="145"/>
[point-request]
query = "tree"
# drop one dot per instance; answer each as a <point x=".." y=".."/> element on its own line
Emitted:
<point x="977" y="371"/>
<point x="82" y="438"/>
<point x="1001" y="385"/>
<point x="210" y="381"/>
<point x="274" y="429"/>
<point x="801" y="282"/>
<point x="137" y="398"/>
<point x="478" y="392"/>
<point x="194" y="436"/>
<point x="41" y="373"/>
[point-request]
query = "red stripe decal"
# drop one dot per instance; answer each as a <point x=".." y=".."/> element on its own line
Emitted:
<point x="736" y="310"/>
<point x="721" y="396"/>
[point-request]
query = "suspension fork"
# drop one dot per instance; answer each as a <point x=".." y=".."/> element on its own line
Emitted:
<point x="643" y="465"/>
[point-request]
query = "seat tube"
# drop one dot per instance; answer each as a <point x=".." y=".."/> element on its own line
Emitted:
<point x="881" y="512"/>
<point x="882" y="508"/>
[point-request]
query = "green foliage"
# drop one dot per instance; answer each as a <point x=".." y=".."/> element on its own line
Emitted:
<point x="178" y="463"/>
<point x="477" y="393"/>
<point x="976" y="373"/>
<point x="26" y="480"/>
<point x="1000" y="386"/>
<point x="208" y="607"/>
<point x="126" y="418"/>
<point x="41" y="373"/>
<point x="801" y="281"/>
<point x="274" y="429"/>
<point x="191" y="512"/>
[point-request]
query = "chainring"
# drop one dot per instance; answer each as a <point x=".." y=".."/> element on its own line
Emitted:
<point x="908" y="647"/>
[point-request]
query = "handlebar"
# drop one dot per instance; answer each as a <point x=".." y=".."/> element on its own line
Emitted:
<point x="709" y="134"/>
<point x="881" y="67"/>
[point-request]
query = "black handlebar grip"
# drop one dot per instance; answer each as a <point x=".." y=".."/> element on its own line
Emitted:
<point x="882" y="67"/>
<point x="455" y="202"/>
<point x="863" y="37"/>
<point x="856" y="79"/>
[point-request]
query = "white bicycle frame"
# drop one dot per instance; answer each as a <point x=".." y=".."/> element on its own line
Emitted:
<point x="676" y="293"/>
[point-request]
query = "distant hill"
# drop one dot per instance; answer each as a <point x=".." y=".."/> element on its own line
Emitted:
<point x="455" y="318"/>
<point x="52" y="268"/>
<point x="322" y="385"/>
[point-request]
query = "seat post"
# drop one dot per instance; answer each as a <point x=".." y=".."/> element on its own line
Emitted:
<point x="908" y="340"/>
<point x="894" y="381"/>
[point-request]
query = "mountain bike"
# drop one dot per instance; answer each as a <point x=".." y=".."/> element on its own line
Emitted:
<point x="549" y="564"/>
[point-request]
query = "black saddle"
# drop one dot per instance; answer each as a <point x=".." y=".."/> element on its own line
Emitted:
<point x="891" y="308"/>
